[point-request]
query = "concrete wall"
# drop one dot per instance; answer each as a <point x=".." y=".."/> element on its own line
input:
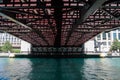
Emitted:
<point x="25" y="47"/>
<point x="89" y="46"/>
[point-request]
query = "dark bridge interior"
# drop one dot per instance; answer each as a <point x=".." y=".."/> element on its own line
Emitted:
<point x="58" y="23"/>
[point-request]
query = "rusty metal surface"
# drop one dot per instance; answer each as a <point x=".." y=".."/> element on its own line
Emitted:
<point x="58" y="22"/>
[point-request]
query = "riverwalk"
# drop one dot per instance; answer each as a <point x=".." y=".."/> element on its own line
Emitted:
<point x="3" y="55"/>
<point x="86" y="55"/>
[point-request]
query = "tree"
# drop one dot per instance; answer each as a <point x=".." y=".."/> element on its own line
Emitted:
<point x="7" y="47"/>
<point x="115" y="45"/>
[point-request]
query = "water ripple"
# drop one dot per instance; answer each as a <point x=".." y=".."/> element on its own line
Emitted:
<point x="59" y="69"/>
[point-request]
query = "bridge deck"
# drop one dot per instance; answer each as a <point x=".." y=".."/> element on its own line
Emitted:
<point x="58" y="23"/>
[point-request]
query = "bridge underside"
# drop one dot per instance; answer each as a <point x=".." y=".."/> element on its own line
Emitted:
<point x="58" y="23"/>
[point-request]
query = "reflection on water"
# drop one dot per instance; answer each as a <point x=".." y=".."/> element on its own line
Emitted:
<point x="59" y="69"/>
<point x="14" y="69"/>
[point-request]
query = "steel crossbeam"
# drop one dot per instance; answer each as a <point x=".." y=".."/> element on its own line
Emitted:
<point x="58" y="22"/>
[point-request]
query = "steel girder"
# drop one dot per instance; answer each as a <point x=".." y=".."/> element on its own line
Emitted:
<point x="58" y="22"/>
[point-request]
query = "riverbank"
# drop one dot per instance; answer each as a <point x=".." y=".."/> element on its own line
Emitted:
<point x="58" y="56"/>
<point x="7" y="55"/>
<point x="26" y="55"/>
<point x="3" y="55"/>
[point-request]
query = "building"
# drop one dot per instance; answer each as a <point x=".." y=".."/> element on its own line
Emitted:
<point x="102" y="42"/>
<point x="89" y="46"/>
<point x="25" y="47"/>
<point x="16" y="42"/>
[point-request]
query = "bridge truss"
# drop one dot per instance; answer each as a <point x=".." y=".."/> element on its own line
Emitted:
<point x="58" y="23"/>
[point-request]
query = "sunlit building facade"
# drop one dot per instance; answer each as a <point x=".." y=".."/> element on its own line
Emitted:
<point x="102" y="42"/>
<point x="16" y="42"/>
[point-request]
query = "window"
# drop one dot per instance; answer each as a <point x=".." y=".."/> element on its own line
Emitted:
<point x="109" y="36"/>
<point x="119" y="29"/>
<point x="99" y="37"/>
<point x="109" y="43"/>
<point x="114" y="36"/>
<point x="104" y="43"/>
<point x="119" y="36"/>
<point x="104" y="36"/>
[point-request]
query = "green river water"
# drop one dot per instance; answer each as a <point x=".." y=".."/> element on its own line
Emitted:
<point x="60" y="69"/>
